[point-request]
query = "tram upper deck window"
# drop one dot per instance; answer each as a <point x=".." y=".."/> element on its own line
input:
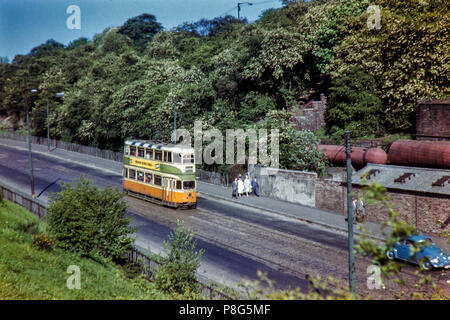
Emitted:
<point x="127" y="150"/>
<point x="167" y="156"/>
<point x="141" y="152"/>
<point x="188" y="158"/>
<point x="158" y="155"/>
<point x="149" y="154"/>
<point x="188" y="185"/>
<point x="133" y="151"/>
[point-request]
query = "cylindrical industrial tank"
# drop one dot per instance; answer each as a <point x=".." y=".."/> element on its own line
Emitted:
<point x="429" y="154"/>
<point x="359" y="156"/>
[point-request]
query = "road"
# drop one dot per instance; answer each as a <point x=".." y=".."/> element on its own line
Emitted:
<point x="238" y="241"/>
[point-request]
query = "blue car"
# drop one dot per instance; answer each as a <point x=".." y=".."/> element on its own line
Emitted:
<point x="428" y="257"/>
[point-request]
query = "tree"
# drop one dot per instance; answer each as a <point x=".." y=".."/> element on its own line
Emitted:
<point x="90" y="221"/>
<point x="141" y="29"/>
<point x="177" y="275"/>
<point x="354" y="105"/>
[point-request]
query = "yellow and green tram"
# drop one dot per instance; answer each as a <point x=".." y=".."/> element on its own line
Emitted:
<point x="160" y="173"/>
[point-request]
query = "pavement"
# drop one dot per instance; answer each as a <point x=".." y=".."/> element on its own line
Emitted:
<point x="310" y="215"/>
<point x="326" y="219"/>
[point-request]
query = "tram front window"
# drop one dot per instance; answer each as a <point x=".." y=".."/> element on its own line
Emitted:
<point x="188" y="185"/>
<point x="188" y="158"/>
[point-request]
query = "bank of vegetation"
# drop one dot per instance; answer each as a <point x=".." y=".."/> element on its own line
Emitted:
<point x="231" y="74"/>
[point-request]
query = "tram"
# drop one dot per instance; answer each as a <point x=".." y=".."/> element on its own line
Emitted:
<point x="160" y="173"/>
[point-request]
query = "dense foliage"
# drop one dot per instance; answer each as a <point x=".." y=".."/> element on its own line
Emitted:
<point x="231" y="74"/>
<point x="180" y="262"/>
<point x="89" y="221"/>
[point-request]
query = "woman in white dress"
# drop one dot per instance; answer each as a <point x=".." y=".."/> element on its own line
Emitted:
<point x="240" y="187"/>
<point x="247" y="186"/>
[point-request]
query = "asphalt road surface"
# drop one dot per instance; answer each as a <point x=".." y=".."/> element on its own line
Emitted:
<point x="238" y="241"/>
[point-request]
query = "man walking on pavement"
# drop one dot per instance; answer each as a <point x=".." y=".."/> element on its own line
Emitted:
<point x="255" y="187"/>
<point x="234" y="187"/>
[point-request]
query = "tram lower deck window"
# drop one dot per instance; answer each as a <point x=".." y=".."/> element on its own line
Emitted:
<point x="140" y="176"/>
<point x="148" y="178"/>
<point x="188" y="184"/>
<point x="125" y="172"/>
<point x="132" y="174"/>
<point x="157" y="180"/>
<point x="178" y="185"/>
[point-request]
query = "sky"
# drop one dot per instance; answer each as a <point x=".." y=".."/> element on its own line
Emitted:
<point x="25" y="24"/>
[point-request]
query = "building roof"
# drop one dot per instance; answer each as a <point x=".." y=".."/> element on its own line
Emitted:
<point x="424" y="180"/>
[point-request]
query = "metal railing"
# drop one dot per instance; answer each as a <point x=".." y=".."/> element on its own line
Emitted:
<point x="96" y="152"/>
<point x="25" y="201"/>
<point x="149" y="265"/>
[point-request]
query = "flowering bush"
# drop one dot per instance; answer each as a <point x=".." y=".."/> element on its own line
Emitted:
<point x="43" y="241"/>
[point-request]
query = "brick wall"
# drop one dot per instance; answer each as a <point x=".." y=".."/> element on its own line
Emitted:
<point x="433" y="120"/>
<point x="423" y="211"/>
<point x="313" y="117"/>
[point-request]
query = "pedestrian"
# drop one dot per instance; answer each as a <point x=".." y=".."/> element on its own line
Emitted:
<point x="360" y="211"/>
<point x="255" y="187"/>
<point x="234" y="187"/>
<point x="247" y="186"/>
<point x="240" y="187"/>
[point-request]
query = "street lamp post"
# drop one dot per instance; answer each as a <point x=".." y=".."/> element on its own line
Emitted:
<point x="59" y="95"/>
<point x="48" y="122"/>
<point x="351" y="256"/>
<point x="239" y="8"/>
<point x="30" y="157"/>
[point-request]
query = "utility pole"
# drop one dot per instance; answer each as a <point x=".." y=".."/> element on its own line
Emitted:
<point x="48" y="122"/>
<point x="239" y="8"/>
<point x="351" y="256"/>
<point x="174" y="123"/>
<point x="29" y="139"/>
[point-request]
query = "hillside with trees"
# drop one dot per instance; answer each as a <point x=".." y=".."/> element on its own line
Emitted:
<point x="232" y="74"/>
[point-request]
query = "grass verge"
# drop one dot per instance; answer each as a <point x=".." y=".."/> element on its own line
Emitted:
<point x="29" y="272"/>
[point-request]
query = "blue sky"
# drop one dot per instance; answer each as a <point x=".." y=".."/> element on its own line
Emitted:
<point x="25" y="24"/>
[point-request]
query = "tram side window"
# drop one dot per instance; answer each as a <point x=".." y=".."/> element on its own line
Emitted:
<point x="149" y="154"/>
<point x="188" y="185"/>
<point x="127" y="150"/>
<point x="167" y="156"/>
<point x="141" y="152"/>
<point x="158" y="155"/>
<point x="178" y="185"/>
<point x="148" y="178"/>
<point x="157" y="180"/>
<point x="132" y="174"/>
<point x="140" y="176"/>
<point x="133" y="151"/>
<point x="125" y="172"/>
